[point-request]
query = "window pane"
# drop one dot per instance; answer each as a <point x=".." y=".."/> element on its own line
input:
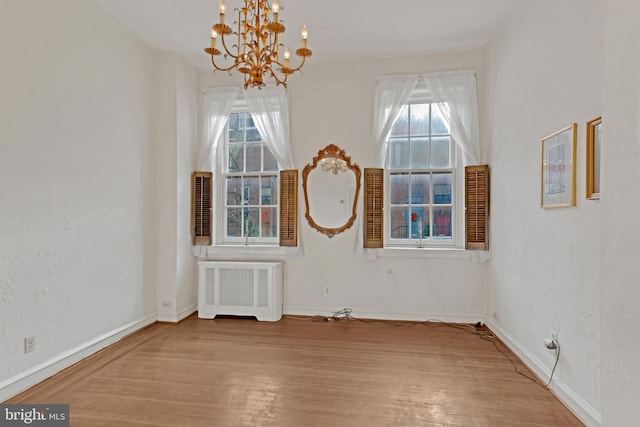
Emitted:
<point x="236" y="127"/>
<point x="419" y="119"/>
<point x="419" y="222"/>
<point x="254" y="157"/>
<point x="420" y="188"/>
<point x="442" y="222"/>
<point x="399" y="184"/>
<point x="252" y="222"/>
<point x="420" y="153"/>
<point x="252" y="132"/>
<point x="438" y="124"/>
<point x="269" y="190"/>
<point x="236" y="158"/>
<point x="441" y="152"/>
<point x="399" y="153"/>
<point x="401" y="125"/>
<point x="399" y="222"/>
<point x="234" y="191"/>
<point x="442" y="188"/>
<point x="251" y="188"/>
<point x="270" y="163"/>
<point x="234" y="222"/>
<point x="269" y="222"/>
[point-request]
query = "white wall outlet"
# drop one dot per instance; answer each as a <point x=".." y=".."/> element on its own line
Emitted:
<point x="166" y="304"/>
<point x="327" y="291"/>
<point x="552" y="343"/>
<point x="29" y="344"/>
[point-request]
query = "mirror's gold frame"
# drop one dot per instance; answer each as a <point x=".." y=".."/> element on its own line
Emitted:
<point x="592" y="157"/>
<point x="330" y="151"/>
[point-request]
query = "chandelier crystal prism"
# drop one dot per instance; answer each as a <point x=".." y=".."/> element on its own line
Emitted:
<point x="255" y="49"/>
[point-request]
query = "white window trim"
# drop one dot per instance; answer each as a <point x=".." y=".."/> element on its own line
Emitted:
<point x="457" y="241"/>
<point x="219" y="212"/>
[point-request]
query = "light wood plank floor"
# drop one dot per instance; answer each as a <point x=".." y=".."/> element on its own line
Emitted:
<point x="301" y="372"/>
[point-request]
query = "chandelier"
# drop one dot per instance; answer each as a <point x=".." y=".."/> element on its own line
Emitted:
<point x="334" y="165"/>
<point x="255" y="49"/>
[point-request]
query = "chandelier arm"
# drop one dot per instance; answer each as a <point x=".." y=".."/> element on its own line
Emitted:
<point x="226" y="49"/>
<point x="282" y="81"/>
<point x="293" y="70"/>
<point x="232" y="66"/>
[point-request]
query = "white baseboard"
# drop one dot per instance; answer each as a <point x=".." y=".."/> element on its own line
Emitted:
<point x="21" y="382"/>
<point x="378" y="315"/>
<point x="580" y="407"/>
<point x="176" y="317"/>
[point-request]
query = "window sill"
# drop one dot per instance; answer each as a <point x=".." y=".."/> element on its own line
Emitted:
<point x="439" y="253"/>
<point x="242" y="250"/>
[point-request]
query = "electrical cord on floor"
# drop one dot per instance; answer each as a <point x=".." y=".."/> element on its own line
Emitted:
<point x="478" y="329"/>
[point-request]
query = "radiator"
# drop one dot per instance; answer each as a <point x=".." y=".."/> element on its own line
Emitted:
<point x="241" y="289"/>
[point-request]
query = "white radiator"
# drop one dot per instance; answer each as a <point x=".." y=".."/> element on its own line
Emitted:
<point x="241" y="289"/>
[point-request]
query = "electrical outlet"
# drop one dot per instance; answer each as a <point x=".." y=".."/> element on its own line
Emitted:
<point x="327" y="291"/>
<point x="166" y="304"/>
<point x="29" y="344"/>
<point x="552" y="343"/>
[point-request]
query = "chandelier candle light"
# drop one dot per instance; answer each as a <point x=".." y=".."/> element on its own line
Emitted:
<point x="256" y="52"/>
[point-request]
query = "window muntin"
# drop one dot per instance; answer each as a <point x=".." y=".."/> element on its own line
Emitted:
<point x="250" y="176"/>
<point x="421" y="179"/>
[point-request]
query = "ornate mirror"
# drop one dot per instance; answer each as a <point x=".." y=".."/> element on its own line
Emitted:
<point x="331" y="185"/>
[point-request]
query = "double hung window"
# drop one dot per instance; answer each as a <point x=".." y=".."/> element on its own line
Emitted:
<point x="250" y="179"/>
<point x="421" y="179"/>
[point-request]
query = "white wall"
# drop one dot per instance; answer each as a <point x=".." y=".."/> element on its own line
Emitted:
<point x="620" y="284"/>
<point x="76" y="161"/>
<point x="176" y="87"/>
<point x="545" y="73"/>
<point x="333" y="103"/>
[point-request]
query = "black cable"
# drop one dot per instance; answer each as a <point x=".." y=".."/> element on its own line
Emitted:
<point x="478" y="330"/>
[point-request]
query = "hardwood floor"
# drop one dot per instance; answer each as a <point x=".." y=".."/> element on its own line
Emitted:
<point x="301" y="372"/>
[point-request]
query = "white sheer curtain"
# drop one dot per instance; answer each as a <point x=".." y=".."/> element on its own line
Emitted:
<point x="217" y="104"/>
<point x="392" y="93"/>
<point x="216" y="108"/>
<point x="269" y="109"/>
<point x="270" y="112"/>
<point x="458" y="90"/>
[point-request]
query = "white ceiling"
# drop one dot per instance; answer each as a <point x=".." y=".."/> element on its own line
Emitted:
<point x="338" y="29"/>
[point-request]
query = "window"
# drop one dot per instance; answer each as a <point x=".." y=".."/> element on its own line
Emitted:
<point x="421" y="179"/>
<point x="250" y="179"/>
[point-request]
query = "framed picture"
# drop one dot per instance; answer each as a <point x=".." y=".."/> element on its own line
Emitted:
<point x="558" y="178"/>
<point x="594" y="143"/>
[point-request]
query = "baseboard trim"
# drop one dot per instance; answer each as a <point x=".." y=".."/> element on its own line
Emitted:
<point x="580" y="407"/>
<point x="379" y="315"/>
<point x="177" y="317"/>
<point x="32" y="376"/>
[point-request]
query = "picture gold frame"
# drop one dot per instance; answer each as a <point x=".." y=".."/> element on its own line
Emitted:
<point x="558" y="169"/>
<point x="594" y="144"/>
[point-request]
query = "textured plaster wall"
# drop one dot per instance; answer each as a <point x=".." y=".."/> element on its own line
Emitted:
<point x="333" y="103"/>
<point x="545" y="73"/>
<point x="175" y="126"/>
<point x="620" y="284"/>
<point x="76" y="160"/>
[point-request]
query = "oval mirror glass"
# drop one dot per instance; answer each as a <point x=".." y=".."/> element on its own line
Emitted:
<point x="331" y="185"/>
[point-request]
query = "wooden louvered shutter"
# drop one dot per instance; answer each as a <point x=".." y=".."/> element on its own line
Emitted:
<point x="201" y="207"/>
<point x="289" y="208"/>
<point x="373" y="208"/>
<point x="476" y="180"/>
